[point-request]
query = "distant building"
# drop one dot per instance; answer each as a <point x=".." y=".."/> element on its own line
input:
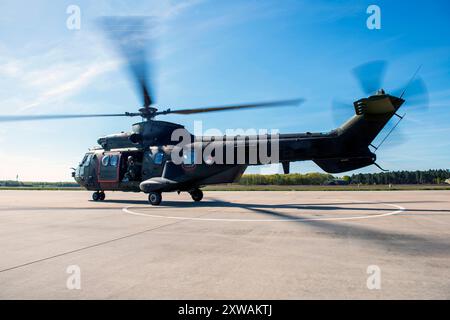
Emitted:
<point x="447" y="181"/>
<point x="337" y="182"/>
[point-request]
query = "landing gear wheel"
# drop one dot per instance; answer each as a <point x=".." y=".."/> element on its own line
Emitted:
<point x="154" y="198"/>
<point x="102" y="196"/>
<point x="197" y="195"/>
<point x="96" y="196"/>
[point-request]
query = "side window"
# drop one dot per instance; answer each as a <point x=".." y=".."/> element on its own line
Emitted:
<point x="189" y="157"/>
<point x="114" y="160"/>
<point x="158" y="158"/>
<point x="105" y="160"/>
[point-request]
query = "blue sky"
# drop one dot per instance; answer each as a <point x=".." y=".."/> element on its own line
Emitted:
<point x="213" y="53"/>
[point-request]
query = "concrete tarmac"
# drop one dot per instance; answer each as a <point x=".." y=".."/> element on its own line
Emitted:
<point x="233" y="245"/>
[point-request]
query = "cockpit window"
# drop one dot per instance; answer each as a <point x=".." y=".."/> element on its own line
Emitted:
<point x="105" y="161"/>
<point x="86" y="160"/>
<point x="114" y="160"/>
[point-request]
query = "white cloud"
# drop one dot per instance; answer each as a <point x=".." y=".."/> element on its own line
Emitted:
<point x="75" y="79"/>
<point x="70" y="66"/>
<point x="175" y="9"/>
<point x="11" y="68"/>
<point x="58" y="74"/>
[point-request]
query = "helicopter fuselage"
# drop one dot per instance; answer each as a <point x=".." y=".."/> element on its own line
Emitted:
<point x="153" y="153"/>
<point x="106" y="169"/>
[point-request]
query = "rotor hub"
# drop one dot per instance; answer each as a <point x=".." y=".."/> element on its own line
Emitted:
<point x="148" y="112"/>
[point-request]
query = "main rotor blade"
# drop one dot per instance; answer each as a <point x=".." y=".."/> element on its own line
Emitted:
<point x="370" y="76"/>
<point x="60" y="116"/>
<point x="131" y="36"/>
<point x="235" y="107"/>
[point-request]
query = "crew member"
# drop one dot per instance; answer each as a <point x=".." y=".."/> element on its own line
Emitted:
<point x="131" y="169"/>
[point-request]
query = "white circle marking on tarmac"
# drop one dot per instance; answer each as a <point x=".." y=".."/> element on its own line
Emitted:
<point x="399" y="210"/>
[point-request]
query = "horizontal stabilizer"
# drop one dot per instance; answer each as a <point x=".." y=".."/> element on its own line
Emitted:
<point x="339" y="165"/>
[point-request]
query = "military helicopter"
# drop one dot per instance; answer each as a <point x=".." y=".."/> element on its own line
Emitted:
<point x="142" y="160"/>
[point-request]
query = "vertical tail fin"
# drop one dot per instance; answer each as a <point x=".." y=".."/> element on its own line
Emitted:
<point x="357" y="134"/>
<point x="372" y="114"/>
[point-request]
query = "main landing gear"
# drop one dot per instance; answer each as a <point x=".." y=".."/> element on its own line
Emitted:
<point x="98" y="196"/>
<point x="197" y="195"/>
<point x="155" y="198"/>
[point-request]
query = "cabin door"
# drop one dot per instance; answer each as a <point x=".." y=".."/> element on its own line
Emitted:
<point x="153" y="163"/>
<point x="108" y="173"/>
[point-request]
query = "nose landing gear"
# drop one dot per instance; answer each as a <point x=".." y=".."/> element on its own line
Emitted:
<point x="98" y="196"/>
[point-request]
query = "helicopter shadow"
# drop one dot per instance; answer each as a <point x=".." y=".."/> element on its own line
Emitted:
<point x="390" y="241"/>
<point x="226" y="204"/>
<point x="329" y="206"/>
<point x="410" y="244"/>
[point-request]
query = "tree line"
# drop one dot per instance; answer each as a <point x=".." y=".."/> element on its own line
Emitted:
<point x="394" y="177"/>
<point x="14" y="183"/>
<point x="402" y="177"/>
<point x="286" y="179"/>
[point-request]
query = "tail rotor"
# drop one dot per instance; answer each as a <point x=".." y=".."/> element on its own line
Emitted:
<point x="370" y="77"/>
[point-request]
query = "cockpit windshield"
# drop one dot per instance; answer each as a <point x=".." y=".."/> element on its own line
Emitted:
<point x="86" y="160"/>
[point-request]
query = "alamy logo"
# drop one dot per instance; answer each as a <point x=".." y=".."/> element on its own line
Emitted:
<point x="73" y="22"/>
<point x="74" y="280"/>
<point x="236" y="146"/>
<point x="374" y="20"/>
<point x="374" y="279"/>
